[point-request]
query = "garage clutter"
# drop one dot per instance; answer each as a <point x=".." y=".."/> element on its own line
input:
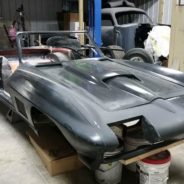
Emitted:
<point x="154" y="169"/>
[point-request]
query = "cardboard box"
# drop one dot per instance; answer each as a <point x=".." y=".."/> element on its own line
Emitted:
<point x="74" y="26"/>
<point x="56" y="153"/>
<point x="64" y="19"/>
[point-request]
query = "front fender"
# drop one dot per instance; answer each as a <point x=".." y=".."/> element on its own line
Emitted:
<point x="80" y="125"/>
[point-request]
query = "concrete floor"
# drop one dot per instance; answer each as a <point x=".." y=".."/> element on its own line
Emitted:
<point x="20" y="164"/>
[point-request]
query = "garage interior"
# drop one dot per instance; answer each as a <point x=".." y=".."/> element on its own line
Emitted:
<point x="26" y="157"/>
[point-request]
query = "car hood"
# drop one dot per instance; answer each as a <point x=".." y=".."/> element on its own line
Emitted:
<point x="110" y="85"/>
<point x="99" y="93"/>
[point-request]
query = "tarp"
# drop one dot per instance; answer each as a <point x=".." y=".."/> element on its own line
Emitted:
<point x="158" y="41"/>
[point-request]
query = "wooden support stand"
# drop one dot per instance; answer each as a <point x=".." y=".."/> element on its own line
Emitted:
<point x="55" y="152"/>
<point x="150" y="153"/>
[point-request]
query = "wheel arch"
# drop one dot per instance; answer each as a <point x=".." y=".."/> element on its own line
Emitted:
<point x="40" y="119"/>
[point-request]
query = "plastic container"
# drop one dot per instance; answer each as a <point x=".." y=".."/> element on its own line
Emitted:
<point x="109" y="173"/>
<point x="154" y="169"/>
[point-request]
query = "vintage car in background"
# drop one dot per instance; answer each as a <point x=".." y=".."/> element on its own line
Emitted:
<point x="127" y="28"/>
<point x="62" y="79"/>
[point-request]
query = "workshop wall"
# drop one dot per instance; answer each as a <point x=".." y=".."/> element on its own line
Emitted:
<point x="39" y="14"/>
<point x="150" y="6"/>
<point x="167" y="12"/>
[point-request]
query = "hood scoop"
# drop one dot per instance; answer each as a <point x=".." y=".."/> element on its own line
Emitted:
<point x="114" y="75"/>
<point x="99" y="77"/>
<point x="131" y="84"/>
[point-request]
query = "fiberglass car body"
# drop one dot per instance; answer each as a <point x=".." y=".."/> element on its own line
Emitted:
<point x="86" y="94"/>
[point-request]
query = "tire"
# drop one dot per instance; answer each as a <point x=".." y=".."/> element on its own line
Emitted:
<point x="114" y="52"/>
<point x="139" y="55"/>
<point x="61" y="41"/>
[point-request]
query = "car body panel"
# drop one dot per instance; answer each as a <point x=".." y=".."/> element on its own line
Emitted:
<point x="104" y="93"/>
<point x="86" y="97"/>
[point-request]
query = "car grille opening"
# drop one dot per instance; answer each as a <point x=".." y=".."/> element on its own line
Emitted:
<point x="130" y="132"/>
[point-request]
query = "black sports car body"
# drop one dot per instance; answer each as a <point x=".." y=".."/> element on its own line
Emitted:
<point x="86" y="95"/>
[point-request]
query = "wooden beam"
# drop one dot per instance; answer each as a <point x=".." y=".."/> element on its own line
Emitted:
<point x="81" y="20"/>
<point x="176" y="55"/>
<point x="81" y="14"/>
<point x="150" y="153"/>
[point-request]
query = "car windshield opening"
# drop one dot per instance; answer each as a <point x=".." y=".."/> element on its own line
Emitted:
<point x="132" y="17"/>
<point x="56" y="46"/>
